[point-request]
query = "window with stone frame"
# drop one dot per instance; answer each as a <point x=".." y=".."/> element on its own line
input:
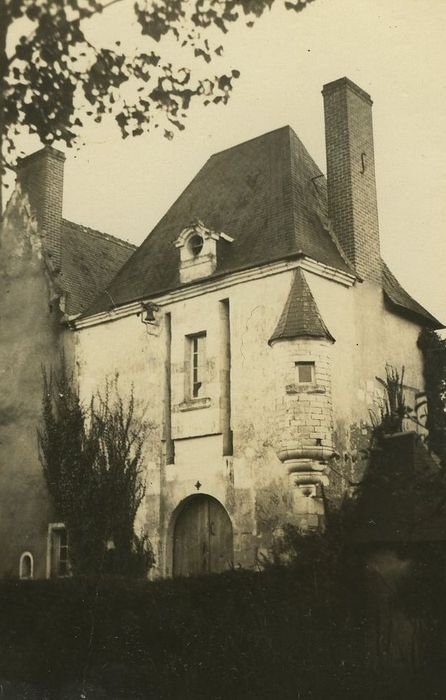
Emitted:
<point x="305" y="372"/>
<point x="197" y="363"/>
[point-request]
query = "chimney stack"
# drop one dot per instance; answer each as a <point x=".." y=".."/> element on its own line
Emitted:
<point x="352" y="202"/>
<point x="41" y="176"/>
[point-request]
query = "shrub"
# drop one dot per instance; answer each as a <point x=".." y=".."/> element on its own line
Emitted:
<point x="92" y="462"/>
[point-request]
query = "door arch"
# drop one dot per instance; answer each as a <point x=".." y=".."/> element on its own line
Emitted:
<point x="202" y="537"/>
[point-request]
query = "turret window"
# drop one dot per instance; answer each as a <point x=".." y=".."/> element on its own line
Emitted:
<point x="305" y="372"/>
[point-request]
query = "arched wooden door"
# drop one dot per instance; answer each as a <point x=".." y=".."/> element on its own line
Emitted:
<point x="202" y="539"/>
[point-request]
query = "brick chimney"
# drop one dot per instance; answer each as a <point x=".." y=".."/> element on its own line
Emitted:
<point x="41" y="176"/>
<point x="352" y="202"/>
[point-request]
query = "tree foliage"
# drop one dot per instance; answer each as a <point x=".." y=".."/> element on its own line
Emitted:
<point x="92" y="462"/>
<point x="52" y="74"/>
<point x="393" y="408"/>
<point x="434" y="354"/>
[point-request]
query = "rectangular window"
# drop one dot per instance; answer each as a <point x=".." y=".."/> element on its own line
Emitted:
<point x="58" y="543"/>
<point x="305" y="372"/>
<point x="198" y="364"/>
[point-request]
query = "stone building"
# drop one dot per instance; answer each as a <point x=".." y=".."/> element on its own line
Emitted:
<point x="252" y="324"/>
<point x="50" y="270"/>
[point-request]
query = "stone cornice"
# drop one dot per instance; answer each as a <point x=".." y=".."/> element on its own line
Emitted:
<point x="214" y="284"/>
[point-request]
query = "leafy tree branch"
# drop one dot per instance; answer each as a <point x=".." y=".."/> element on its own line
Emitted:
<point x="55" y="76"/>
<point x="434" y="354"/>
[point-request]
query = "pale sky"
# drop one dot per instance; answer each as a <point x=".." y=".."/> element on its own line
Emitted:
<point x="393" y="49"/>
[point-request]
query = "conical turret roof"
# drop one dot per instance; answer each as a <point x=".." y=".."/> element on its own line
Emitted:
<point x="300" y="317"/>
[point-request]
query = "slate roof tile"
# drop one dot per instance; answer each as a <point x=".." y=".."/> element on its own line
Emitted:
<point x="399" y="298"/>
<point x="300" y="317"/>
<point x="90" y="260"/>
<point x="262" y="193"/>
<point x="271" y="198"/>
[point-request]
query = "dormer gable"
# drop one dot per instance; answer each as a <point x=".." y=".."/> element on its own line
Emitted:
<point x="198" y="246"/>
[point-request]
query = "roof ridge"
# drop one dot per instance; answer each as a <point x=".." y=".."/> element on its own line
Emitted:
<point x="254" y="138"/>
<point x="291" y="183"/>
<point x="108" y="236"/>
<point x="319" y="210"/>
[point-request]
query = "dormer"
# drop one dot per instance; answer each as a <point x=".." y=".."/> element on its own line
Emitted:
<point x="199" y="247"/>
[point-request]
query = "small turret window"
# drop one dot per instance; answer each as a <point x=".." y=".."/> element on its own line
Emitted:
<point x="196" y="245"/>
<point x="305" y="372"/>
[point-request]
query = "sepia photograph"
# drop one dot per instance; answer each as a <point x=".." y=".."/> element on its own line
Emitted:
<point x="222" y="350"/>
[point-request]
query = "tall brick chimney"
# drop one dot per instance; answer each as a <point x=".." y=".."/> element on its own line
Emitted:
<point x="352" y="202"/>
<point x="41" y="175"/>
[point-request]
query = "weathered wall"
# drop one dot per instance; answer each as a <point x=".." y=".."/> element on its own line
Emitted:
<point x="127" y="348"/>
<point x="368" y="336"/>
<point x="31" y="337"/>
<point x="137" y="352"/>
<point x="253" y="484"/>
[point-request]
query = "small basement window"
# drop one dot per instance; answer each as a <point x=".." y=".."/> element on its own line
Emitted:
<point x="26" y="566"/>
<point x="305" y="372"/>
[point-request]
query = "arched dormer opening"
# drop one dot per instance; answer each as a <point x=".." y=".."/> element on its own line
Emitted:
<point x="199" y="248"/>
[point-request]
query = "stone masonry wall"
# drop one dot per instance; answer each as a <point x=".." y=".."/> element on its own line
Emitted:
<point x="304" y="411"/>
<point x="31" y="339"/>
<point x="252" y="484"/>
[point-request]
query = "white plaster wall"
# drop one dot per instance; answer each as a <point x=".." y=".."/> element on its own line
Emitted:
<point x="252" y="484"/>
<point x="127" y="349"/>
<point x="368" y="336"/>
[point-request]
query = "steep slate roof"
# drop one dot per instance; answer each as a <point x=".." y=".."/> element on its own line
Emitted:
<point x="271" y="198"/>
<point x="90" y="260"/>
<point x="399" y="298"/>
<point x="300" y="317"/>
<point x="262" y="193"/>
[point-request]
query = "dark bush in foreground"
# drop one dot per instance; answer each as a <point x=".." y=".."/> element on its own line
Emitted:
<point x="237" y="635"/>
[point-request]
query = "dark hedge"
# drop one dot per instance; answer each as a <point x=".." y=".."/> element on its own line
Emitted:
<point x="243" y="634"/>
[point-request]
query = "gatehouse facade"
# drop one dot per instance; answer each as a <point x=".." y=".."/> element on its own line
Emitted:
<point x="251" y="325"/>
